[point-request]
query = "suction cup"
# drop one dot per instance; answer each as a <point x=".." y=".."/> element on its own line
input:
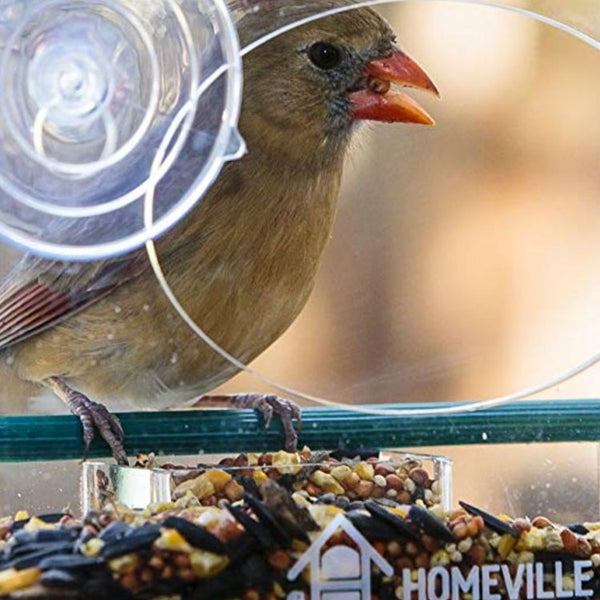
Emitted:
<point x="89" y="91"/>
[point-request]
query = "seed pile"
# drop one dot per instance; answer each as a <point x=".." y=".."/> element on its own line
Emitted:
<point x="243" y="547"/>
<point x="334" y="479"/>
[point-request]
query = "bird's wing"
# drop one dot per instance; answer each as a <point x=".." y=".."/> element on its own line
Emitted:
<point x="40" y="293"/>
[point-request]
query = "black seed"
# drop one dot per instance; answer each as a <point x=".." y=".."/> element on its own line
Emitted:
<point x="55" y="578"/>
<point x="257" y="574"/>
<point x="295" y="519"/>
<point x="115" y="531"/>
<point x="48" y="518"/>
<point x="391" y="519"/>
<point x="24" y="537"/>
<point x="430" y="524"/>
<point x="34" y="547"/>
<point x="494" y="523"/>
<point x="257" y="530"/>
<point x="32" y="559"/>
<point x="356" y="505"/>
<point x="362" y="453"/>
<point x="418" y="494"/>
<point x="287" y="481"/>
<point x="44" y="536"/>
<point x="53" y="517"/>
<point x="248" y="484"/>
<point x="371" y="528"/>
<point x="342" y="502"/>
<point x="19" y="524"/>
<point x="328" y="498"/>
<point x="578" y="528"/>
<point x="142" y="537"/>
<point x="69" y="562"/>
<point x="264" y="515"/>
<point x="56" y="535"/>
<point x="240" y="548"/>
<point x="387" y="502"/>
<point x="197" y="536"/>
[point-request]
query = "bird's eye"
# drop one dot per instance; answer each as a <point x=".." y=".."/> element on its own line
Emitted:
<point x="325" y="56"/>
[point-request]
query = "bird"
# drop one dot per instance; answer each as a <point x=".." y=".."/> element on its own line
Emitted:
<point x="102" y="335"/>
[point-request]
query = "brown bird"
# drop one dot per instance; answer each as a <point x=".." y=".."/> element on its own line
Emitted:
<point x="244" y="261"/>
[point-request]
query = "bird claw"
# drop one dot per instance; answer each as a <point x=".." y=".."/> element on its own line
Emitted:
<point x="96" y="417"/>
<point x="268" y="405"/>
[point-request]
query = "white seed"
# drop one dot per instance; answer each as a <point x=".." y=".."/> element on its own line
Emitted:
<point x="380" y="481"/>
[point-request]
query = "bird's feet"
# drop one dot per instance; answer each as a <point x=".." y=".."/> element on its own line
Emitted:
<point x="94" y="417"/>
<point x="267" y="405"/>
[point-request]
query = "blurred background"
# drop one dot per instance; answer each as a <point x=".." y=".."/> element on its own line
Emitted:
<point x="464" y="259"/>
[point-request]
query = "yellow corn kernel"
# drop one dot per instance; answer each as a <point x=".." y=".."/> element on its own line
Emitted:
<point x="506" y="545"/>
<point x="12" y="580"/>
<point x="35" y="524"/>
<point x="124" y="564"/>
<point x="327" y="482"/>
<point x="365" y="471"/>
<point x="440" y="559"/>
<point x="206" y="564"/>
<point x="342" y="472"/>
<point x="286" y="462"/>
<point x="171" y="539"/>
<point x="201" y="487"/>
<point x="92" y="547"/>
<point x="218" y="478"/>
<point x="259" y="477"/>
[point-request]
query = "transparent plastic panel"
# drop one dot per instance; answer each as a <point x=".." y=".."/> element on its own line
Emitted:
<point x="220" y="480"/>
<point x="461" y="266"/>
<point x="454" y="271"/>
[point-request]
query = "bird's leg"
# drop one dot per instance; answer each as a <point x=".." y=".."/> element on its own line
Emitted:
<point x="267" y="405"/>
<point x="93" y="416"/>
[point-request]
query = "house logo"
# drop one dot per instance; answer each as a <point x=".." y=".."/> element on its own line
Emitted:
<point x="341" y="572"/>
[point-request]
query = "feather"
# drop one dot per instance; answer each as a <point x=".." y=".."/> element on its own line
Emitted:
<point x="40" y="293"/>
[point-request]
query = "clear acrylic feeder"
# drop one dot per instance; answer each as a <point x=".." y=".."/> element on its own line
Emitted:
<point x="445" y="359"/>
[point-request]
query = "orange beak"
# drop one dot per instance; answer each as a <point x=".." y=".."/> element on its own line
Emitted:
<point x="379" y="102"/>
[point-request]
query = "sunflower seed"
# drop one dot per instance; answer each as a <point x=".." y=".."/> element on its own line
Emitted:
<point x="494" y="523"/>
<point x="255" y="529"/>
<point x="142" y="537"/>
<point x="197" y="536"/>
<point x="69" y="562"/>
<point x="430" y="524"/>
<point x="391" y="519"/>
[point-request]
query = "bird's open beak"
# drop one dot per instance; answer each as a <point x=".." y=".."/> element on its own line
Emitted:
<point x="378" y="101"/>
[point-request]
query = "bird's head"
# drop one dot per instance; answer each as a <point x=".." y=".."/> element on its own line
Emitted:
<point x="306" y="89"/>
